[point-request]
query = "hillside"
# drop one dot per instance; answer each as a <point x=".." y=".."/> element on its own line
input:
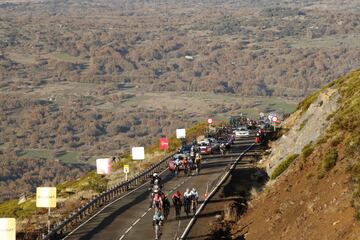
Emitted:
<point x="86" y="79"/>
<point x="313" y="192"/>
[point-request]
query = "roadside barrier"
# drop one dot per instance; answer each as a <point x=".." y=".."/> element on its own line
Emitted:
<point x="79" y="215"/>
<point x="218" y="182"/>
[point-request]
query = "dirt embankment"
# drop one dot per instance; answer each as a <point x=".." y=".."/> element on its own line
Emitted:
<point x="312" y="198"/>
<point x="304" y="128"/>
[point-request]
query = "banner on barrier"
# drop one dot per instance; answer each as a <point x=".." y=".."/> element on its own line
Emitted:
<point x="104" y="166"/>
<point x="138" y="153"/>
<point x="181" y="133"/>
<point x="164" y="143"/>
<point x="46" y="197"/>
<point x="8" y="228"/>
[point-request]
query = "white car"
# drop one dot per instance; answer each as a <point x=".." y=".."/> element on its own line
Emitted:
<point x="241" y="132"/>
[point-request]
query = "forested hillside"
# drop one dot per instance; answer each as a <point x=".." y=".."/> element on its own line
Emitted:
<point x="82" y="79"/>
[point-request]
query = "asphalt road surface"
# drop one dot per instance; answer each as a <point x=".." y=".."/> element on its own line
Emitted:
<point x="130" y="216"/>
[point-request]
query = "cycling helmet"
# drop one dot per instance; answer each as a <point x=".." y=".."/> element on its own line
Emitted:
<point x="155" y="175"/>
<point x="194" y="189"/>
<point x="187" y="190"/>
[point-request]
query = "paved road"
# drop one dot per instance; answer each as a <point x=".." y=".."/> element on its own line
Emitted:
<point x="130" y="216"/>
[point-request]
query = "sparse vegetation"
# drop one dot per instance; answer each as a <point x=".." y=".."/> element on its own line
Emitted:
<point x="283" y="166"/>
<point x="329" y="161"/>
<point x="302" y="125"/>
<point x="307" y="151"/>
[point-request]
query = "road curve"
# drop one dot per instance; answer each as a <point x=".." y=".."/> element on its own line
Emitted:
<point x="130" y="217"/>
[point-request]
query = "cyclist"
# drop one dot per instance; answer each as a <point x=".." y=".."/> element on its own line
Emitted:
<point x="176" y="199"/>
<point x="194" y="196"/>
<point x="155" y="189"/>
<point x="185" y="163"/>
<point x="177" y="166"/>
<point x="166" y="206"/>
<point x="187" y="201"/>
<point x="156" y="180"/>
<point x="158" y="219"/>
<point x="198" y="162"/>
<point x="222" y="148"/>
<point x="157" y="202"/>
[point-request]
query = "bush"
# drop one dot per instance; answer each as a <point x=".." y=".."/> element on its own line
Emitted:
<point x="302" y="125"/>
<point x="283" y="166"/>
<point x="329" y="160"/>
<point x="307" y="151"/>
<point x="304" y="105"/>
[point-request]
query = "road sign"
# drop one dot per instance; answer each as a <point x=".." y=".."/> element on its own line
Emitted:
<point x="126" y="169"/>
<point x="46" y="197"/>
<point x="8" y="228"/>
<point x="210" y="120"/>
<point x="275" y="119"/>
<point x="138" y="153"/>
<point x="103" y="166"/>
<point x="164" y="143"/>
<point x="180" y="133"/>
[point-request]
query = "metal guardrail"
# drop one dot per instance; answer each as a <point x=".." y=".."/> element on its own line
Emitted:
<point x="88" y="209"/>
<point x="79" y="215"/>
<point x="219" y="181"/>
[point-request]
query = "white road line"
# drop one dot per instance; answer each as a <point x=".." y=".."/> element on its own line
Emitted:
<point x="111" y="203"/>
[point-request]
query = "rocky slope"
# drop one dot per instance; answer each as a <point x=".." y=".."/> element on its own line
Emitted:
<point x="315" y="169"/>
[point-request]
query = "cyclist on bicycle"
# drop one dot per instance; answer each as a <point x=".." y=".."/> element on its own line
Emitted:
<point x="185" y="163"/>
<point x="157" y="202"/>
<point x="156" y="180"/>
<point x="176" y="199"/>
<point x="187" y="201"/>
<point x="194" y="196"/>
<point x="198" y="162"/>
<point x="166" y="206"/>
<point x="158" y="219"/>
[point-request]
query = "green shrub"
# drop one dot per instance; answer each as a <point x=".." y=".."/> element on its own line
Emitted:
<point x="305" y="104"/>
<point x="307" y="151"/>
<point x="302" y="125"/>
<point x="283" y="166"/>
<point x="329" y="160"/>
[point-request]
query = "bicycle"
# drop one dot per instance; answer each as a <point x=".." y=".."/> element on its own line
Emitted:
<point x="194" y="204"/>
<point x="187" y="204"/>
<point x="166" y="211"/>
<point x="198" y="166"/>
<point x="157" y="228"/>
<point x="177" y="205"/>
<point x="157" y="223"/>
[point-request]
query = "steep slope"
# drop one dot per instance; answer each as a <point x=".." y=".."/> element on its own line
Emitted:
<point x="315" y="194"/>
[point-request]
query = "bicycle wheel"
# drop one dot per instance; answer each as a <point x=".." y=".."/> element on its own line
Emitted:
<point x="157" y="231"/>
